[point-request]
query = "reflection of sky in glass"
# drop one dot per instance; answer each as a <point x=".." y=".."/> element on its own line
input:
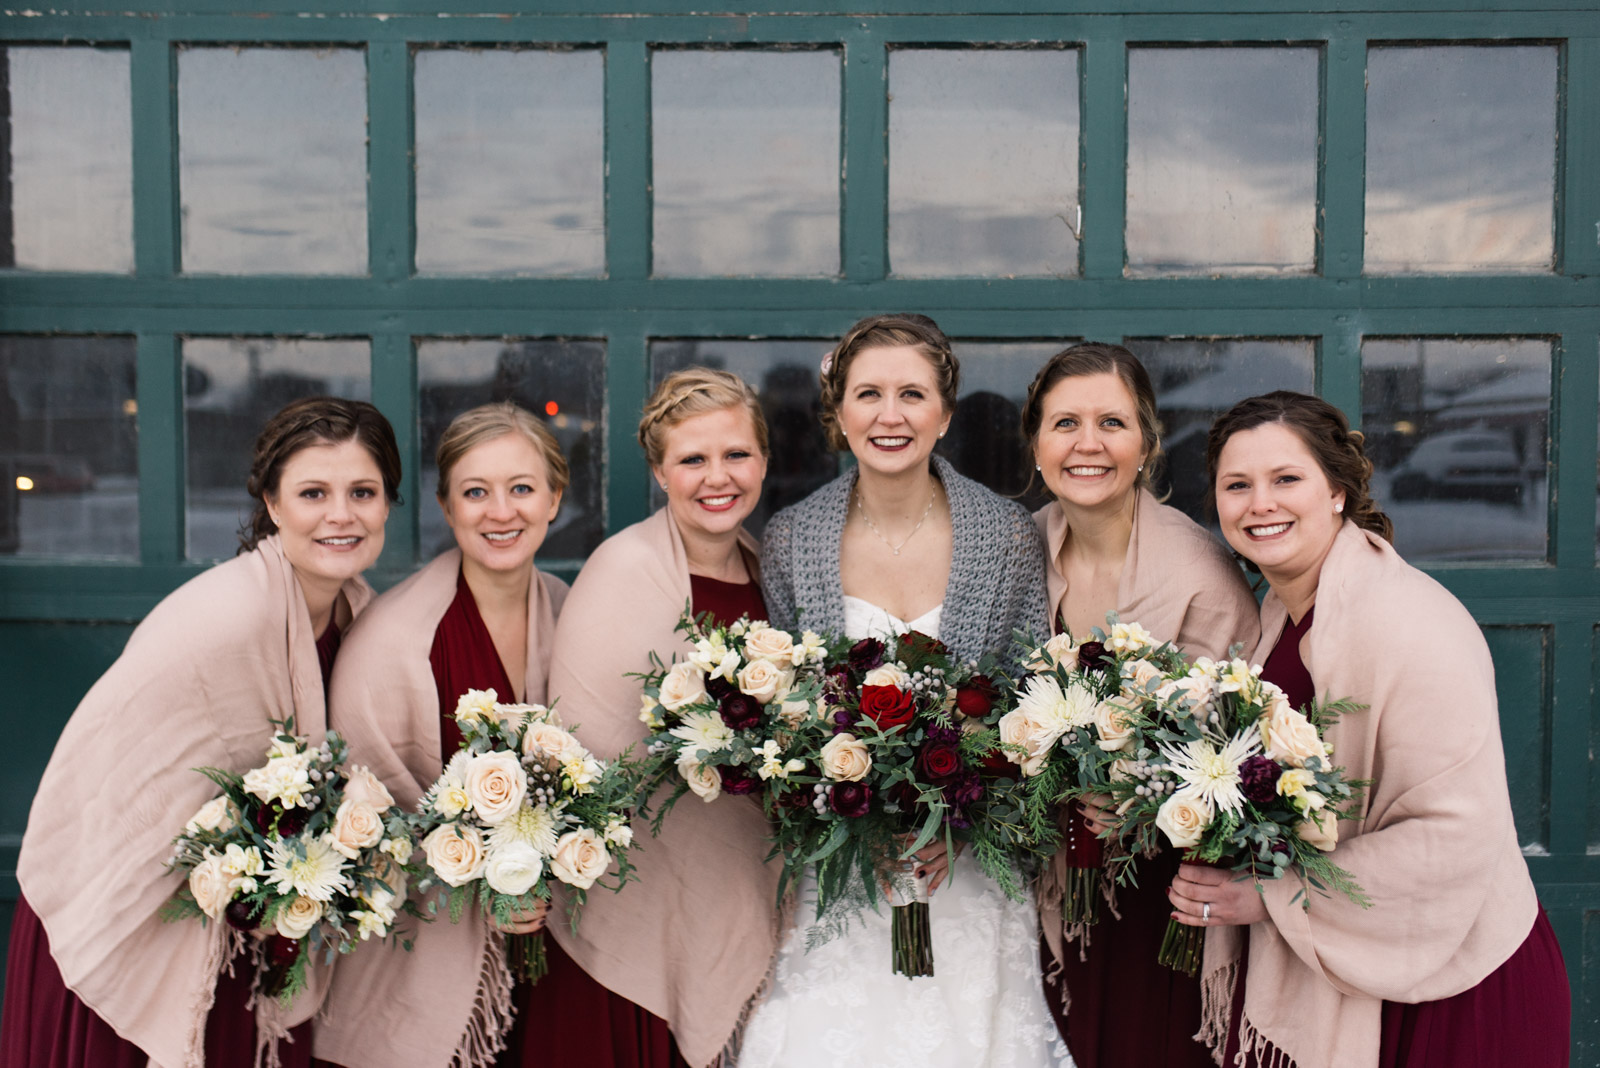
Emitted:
<point x="69" y="457"/>
<point x="456" y="374"/>
<point x="983" y="162"/>
<point x="745" y="162"/>
<point x="510" y="162"/>
<point x="1222" y="160"/>
<point x="71" y="142"/>
<point x="1458" y="431"/>
<point x="1460" y="158"/>
<point x="232" y="385"/>
<point x="272" y="156"/>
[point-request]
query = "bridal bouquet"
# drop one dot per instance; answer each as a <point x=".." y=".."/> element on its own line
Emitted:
<point x="301" y="847"/>
<point x="1072" y="725"/>
<point x="1238" y="778"/>
<point x="520" y="801"/>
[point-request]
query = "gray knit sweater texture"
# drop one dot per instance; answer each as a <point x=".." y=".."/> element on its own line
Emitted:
<point x="996" y="586"/>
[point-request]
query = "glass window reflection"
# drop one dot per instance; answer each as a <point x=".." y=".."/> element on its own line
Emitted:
<point x="983" y="162"/>
<point x="985" y="440"/>
<point x="66" y="199"/>
<point x="1222" y="160"/>
<point x="69" y="450"/>
<point x="745" y="162"/>
<point x="561" y="380"/>
<point x="272" y="160"/>
<point x="1461" y="145"/>
<point x="1458" y="431"/>
<point x="232" y="385"/>
<point x="1196" y="380"/>
<point x="510" y="162"/>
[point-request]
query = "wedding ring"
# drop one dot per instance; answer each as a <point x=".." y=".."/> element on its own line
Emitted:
<point x="1205" y="913"/>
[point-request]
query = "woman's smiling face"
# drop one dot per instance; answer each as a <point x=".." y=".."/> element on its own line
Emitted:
<point x="1275" y="504"/>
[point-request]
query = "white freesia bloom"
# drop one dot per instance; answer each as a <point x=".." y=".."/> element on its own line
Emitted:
<point x="1129" y="638"/>
<point x="619" y="832"/>
<point x="369" y="923"/>
<point x="284" y="778"/>
<point x="648" y="714"/>
<point x="476" y="706"/>
<point x="811" y="649"/>
<point x="1212" y="773"/>
<point x="712" y="656"/>
<point x="238" y="860"/>
<point x="772" y="762"/>
<point x="581" y="771"/>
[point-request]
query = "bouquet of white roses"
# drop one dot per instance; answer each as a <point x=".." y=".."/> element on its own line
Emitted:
<point x="301" y="847"/>
<point x="520" y="801"/>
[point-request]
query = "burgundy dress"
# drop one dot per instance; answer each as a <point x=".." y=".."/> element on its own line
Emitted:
<point x="46" y="1026"/>
<point x="1521" y="1013"/>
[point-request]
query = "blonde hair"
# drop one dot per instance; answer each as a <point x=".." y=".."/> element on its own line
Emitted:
<point x="884" y="331"/>
<point x="690" y="392"/>
<point x="489" y="421"/>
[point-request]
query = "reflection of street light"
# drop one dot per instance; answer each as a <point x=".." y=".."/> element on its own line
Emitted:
<point x="24" y="482"/>
<point x="551" y="407"/>
<point x="130" y="407"/>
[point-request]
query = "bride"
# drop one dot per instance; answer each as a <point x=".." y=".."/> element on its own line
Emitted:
<point x="903" y="542"/>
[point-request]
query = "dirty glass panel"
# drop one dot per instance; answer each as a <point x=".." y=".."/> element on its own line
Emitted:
<point x="1461" y="144"/>
<point x="1196" y="380"/>
<point x="69" y="448"/>
<point x="1222" y="161"/>
<point x="745" y="158"/>
<point x="66" y="153"/>
<point x="985" y="441"/>
<point x="1458" y="432"/>
<point x="510" y="162"/>
<point x="561" y="380"/>
<point x="231" y="387"/>
<point x="272" y="160"/>
<point x="983" y="162"/>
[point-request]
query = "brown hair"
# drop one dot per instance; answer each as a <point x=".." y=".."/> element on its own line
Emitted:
<point x="882" y="331"/>
<point x="489" y="421"/>
<point x="690" y="392"/>
<point x="315" y="421"/>
<point x="1339" y="451"/>
<point x="1099" y="358"/>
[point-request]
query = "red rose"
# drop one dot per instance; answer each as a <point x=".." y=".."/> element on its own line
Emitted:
<point x="938" y="761"/>
<point x="887" y="706"/>
<point x="976" y="698"/>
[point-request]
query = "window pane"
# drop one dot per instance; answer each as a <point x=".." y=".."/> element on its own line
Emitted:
<point x="69" y="449"/>
<point x="68" y="203"/>
<point x="983" y="162"/>
<point x="561" y="380"/>
<point x="272" y="158"/>
<point x="745" y="158"/>
<point x="510" y="164"/>
<point x="1458" y="432"/>
<point x="1222" y="160"/>
<point x="784" y="374"/>
<point x="1196" y="380"/>
<point x="1461" y="145"/>
<point x="985" y="439"/>
<point x="232" y="386"/>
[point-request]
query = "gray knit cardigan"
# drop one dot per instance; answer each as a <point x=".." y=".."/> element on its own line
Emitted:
<point x="997" y="580"/>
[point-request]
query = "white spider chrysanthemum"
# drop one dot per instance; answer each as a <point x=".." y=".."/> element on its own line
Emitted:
<point x="1067" y="707"/>
<point x="1211" y="773"/>
<point x="536" y="825"/>
<point x="702" y="732"/>
<point x="315" y="876"/>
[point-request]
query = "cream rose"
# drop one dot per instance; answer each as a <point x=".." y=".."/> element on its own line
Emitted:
<point x="1059" y="650"/>
<point x="1122" y="770"/>
<point x="887" y="675"/>
<point x="703" y="779"/>
<point x="1184" y="817"/>
<point x="580" y="858"/>
<point x="211" y="886"/>
<point x="1114" y="719"/>
<point x="844" y="759"/>
<point x="794" y="713"/>
<point x="394" y="877"/>
<point x="1321" y="830"/>
<point x="549" y="740"/>
<point x="1288" y="735"/>
<point x="295" y="920"/>
<point x="684" y="685"/>
<point x="1196" y="690"/>
<point x="1137" y="675"/>
<point x="1027" y="728"/>
<point x="356" y="826"/>
<point x="513" y="868"/>
<point x="362" y="785"/>
<point x="218" y="814"/>
<point x="764" y="680"/>
<point x="769" y="643"/>
<point x="496" y="784"/>
<point x="455" y="853"/>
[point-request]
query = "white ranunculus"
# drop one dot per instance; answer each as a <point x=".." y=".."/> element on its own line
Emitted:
<point x="513" y="868"/>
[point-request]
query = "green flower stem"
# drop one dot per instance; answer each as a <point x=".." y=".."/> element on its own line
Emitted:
<point x="1182" y="947"/>
<point x="912" y="939"/>
<point x="528" y="961"/>
<point x="1082" y="903"/>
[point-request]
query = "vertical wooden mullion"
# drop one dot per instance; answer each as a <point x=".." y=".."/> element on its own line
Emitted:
<point x="1579" y="160"/>
<point x="627" y="141"/>
<point x="153" y="74"/>
<point x="1575" y="386"/>
<point x="391" y="170"/>
<point x="864" y="234"/>
<point x="1571" y="676"/>
<point x="627" y="386"/>
<point x="1339" y="366"/>
<point x="394" y="391"/>
<point x="161" y="461"/>
<point x="1103" y="153"/>
<point x="1341" y="193"/>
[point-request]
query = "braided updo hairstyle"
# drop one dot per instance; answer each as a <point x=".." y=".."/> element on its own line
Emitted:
<point x="690" y="392"/>
<point x="886" y="331"/>
<point x="1338" y="450"/>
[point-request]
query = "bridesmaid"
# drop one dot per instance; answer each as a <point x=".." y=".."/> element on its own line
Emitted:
<point x="1455" y="963"/>
<point x="480" y="616"/>
<point x="247" y="642"/>
<point x="689" y="945"/>
<point x="1090" y="418"/>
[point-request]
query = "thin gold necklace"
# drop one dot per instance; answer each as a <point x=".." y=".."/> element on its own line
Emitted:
<point x="862" y="508"/>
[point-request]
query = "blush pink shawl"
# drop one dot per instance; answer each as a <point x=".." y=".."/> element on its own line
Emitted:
<point x="446" y="1002"/>
<point x="1184" y="587"/>
<point x="1435" y="848"/>
<point x="692" y="940"/>
<point x="196" y="686"/>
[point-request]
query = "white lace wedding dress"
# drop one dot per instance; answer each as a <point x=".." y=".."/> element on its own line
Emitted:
<point x="983" y="1007"/>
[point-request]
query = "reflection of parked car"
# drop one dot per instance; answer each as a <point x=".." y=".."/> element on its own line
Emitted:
<point x="50" y="474"/>
<point x="1461" y="463"/>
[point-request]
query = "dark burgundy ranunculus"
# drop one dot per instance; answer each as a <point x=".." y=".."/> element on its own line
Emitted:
<point x="293" y="821"/>
<point x="918" y="643"/>
<point x="904" y="794"/>
<point x="938" y="761"/>
<point x="850" y="799"/>
<point x="943" y="734"/>
<point x="977" y="697"/>
<point x="1258" y="779"/>
<point x="736" y="779"/>
<point x="887" y="706"/>
<point x="719" y="687"/>
<point x="865" y="655"/>
<point x="1092" y="656"/>
<point x="282" y="951"/>
<point x="740" y="711"/>
<point x="966" y="790"/>
<point x="241" y="915"/>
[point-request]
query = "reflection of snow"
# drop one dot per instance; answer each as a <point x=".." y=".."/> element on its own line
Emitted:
<point x="1458" y="530"/>
<point x="103" y="522"/>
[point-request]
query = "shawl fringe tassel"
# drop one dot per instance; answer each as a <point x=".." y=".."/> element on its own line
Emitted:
<point x="492" y="1010"/>
<point x="219" y="958"/>
<point x="787" y="920"/>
